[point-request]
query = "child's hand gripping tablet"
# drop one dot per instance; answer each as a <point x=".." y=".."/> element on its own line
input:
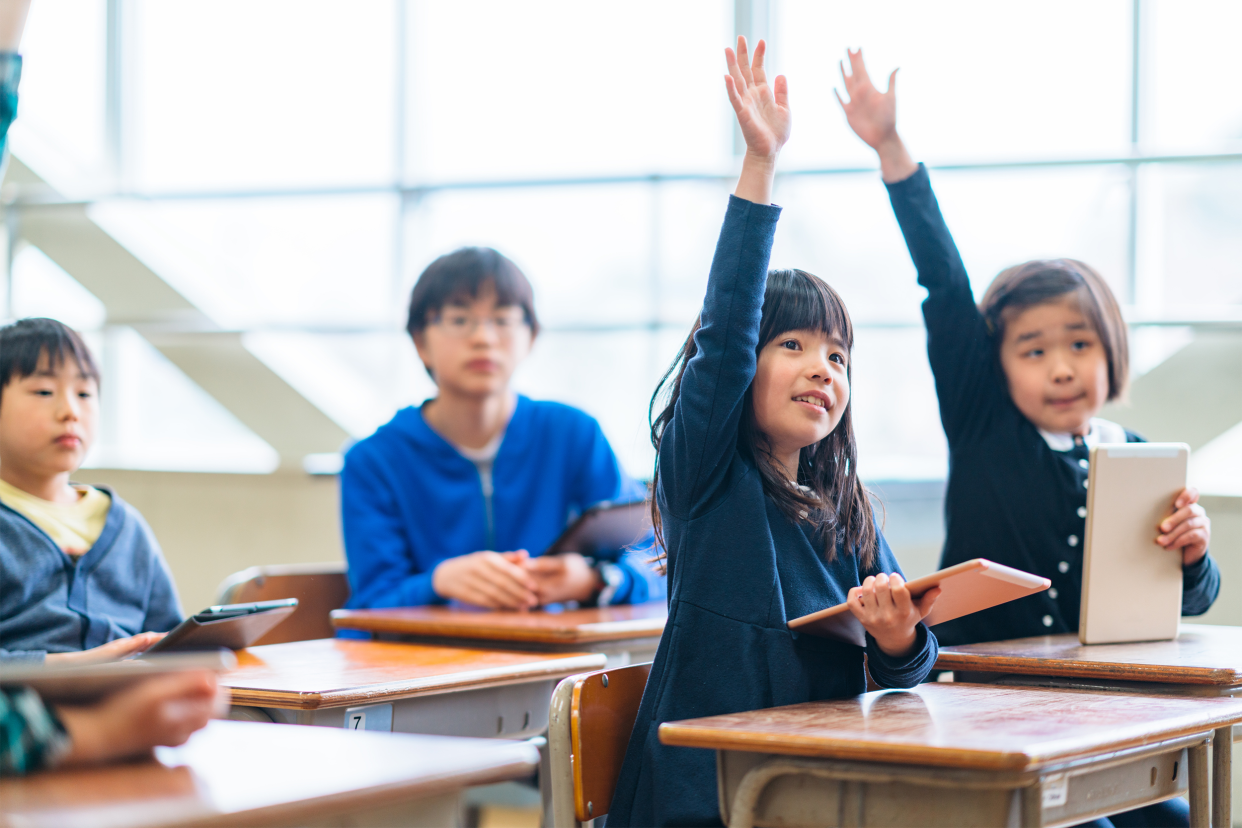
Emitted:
<point x="885" y="608"/>
<point x="112" y="651"/>
<point x="1188" y="528"/>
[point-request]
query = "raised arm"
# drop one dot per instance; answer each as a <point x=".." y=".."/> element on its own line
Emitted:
<point x="958" y="345"/>
<point x="703" y="432"/>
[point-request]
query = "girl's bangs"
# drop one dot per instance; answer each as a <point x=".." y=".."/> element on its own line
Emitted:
<point x="798" y="301"/>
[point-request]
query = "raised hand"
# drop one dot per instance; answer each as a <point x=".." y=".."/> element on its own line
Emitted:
<point x="762" y="110"/>
<point x="872" y="115"/>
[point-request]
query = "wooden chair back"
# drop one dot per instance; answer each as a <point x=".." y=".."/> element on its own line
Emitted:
<point x="591" y="720"/>
<point x="319" y="588"/>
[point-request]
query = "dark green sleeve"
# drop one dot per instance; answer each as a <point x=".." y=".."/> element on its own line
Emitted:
<point x="31" y="737"/>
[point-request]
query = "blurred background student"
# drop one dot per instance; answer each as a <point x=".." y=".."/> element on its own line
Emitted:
<point x="457" y="498"/>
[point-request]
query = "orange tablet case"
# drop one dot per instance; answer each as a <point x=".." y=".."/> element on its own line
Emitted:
<point x="965" y="588"/>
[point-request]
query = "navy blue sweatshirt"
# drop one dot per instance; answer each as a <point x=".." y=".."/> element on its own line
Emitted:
<point x="1011" y="497"/>
<point x="738" y="568"/>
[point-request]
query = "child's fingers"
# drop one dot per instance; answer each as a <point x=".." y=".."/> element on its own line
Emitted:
<point x="735" y="71"/>
<point x="1180" y="516"/>
<point x="781" y="88"/>
<point x="756" y="65"/>
<point x="840" y="100"/>
<point x="743" y="61"/>
<point x="846" y="80"/>
<point x="857" y="67"/>
<point x="892" y="83"/>
<point x="1175" y="539"/>
<point x="734" y="97"/>
<point x="1187" y="496"/>
<point x="925" y="602"/>
<point x="883" y="592"/>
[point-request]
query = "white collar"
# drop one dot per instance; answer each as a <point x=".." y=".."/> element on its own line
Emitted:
<point x="1101" y="431"/>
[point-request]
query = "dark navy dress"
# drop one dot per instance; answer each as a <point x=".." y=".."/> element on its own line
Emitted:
<point x="738" y="569"/>
<point x="1011" y="497"/>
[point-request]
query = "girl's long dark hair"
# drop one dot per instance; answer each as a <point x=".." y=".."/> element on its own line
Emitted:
<point x="837" y="505"/>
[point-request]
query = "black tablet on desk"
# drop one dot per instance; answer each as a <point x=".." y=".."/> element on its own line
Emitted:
<point x="605" y="527"/>
<point x="225" y="627"/>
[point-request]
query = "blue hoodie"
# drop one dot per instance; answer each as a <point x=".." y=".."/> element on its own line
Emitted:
<point x="51" y="602"/>
<point x="410" y="500"/>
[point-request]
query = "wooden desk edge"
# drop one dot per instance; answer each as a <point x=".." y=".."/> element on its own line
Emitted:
<point x="382" y="693"/>
<point x="603" y="631"/>
<point x="367" y="798"/>
<point x="785" y="744"/>
<point x="1029" y="666"/>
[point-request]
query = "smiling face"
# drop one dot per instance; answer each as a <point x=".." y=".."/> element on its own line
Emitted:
<point x="1056" y="366"/>
<point x="800" y="391"/>
<point x="47" y="421"/>
<point x="472" y="347"/>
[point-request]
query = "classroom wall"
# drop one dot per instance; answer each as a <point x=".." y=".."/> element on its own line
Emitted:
<point x="212" y="525"/>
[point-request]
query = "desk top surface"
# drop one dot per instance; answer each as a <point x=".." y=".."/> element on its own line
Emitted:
<point x="580" y="626"/>
<point x="333" y="672"/>
<point x="952" y="725"/>
<point x="247" y="773"/>
<point x="1201" y="654"/>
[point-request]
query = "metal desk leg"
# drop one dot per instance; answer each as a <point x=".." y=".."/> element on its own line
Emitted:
<point x="1222" y="778"/>
<point x="1199" y="813"/>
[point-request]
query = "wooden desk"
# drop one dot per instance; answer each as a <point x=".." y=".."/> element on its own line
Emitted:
<point x="960" y="754"/>
<point x="407" y="688"/>
<point x="1202" y="661"/>
<point x="245" y="773"/>
<point x="625" y="634"/>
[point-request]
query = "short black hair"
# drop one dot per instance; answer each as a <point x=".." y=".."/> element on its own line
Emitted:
<point x="25" y="342"/>
<point x="455" y="276"/>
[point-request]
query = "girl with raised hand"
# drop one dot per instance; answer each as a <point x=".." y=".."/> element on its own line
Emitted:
<point x="762" y="517"/>
<point x="1020" y="379"/>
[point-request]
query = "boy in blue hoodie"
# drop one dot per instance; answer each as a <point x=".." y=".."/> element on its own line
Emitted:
<point x="456" y="498"/>
<point x="81" y="576"/>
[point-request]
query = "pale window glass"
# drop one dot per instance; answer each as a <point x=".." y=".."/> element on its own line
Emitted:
<point x="1192" y="74"/>
<point x="41" y="288"/>
<point x="608" y="374"/>
<point x="978" y="79"/>
<point x="152" y="416"/>
<point x="586" y="249"/>
<point x="269" y="262"/>
<point x="358" y="379"/>
<point x="235" y="93"/>
<point x="60" y="128"/>
<point x="1190" y="247"/>
<point x="498" y="89"/>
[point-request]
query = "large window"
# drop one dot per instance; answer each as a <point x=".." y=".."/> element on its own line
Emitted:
<point x="289" y="167"/>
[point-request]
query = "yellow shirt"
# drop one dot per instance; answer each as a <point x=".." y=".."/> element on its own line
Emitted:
<point x="73" y="528"/>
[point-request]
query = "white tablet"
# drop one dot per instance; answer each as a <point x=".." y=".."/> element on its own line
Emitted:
<point x="1131" y="586"/>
